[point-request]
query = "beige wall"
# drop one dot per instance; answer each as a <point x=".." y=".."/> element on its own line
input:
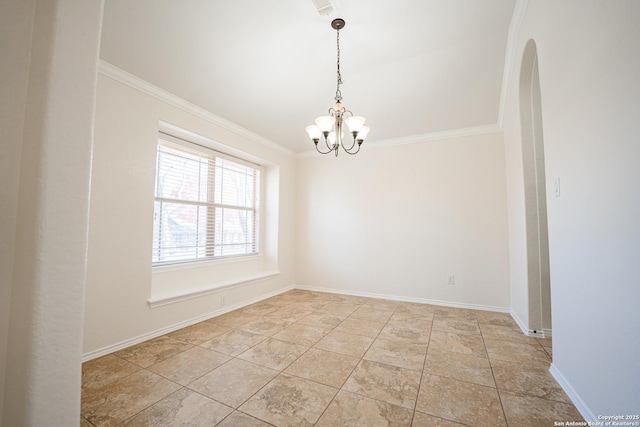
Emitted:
<point x="396" y="221"/>
<point x="589" y="65"/>
<point x="50" y="53"/>
<point x="449" y="193"/>
<point x="120" y="279"/>
<point x="15" y="32"/>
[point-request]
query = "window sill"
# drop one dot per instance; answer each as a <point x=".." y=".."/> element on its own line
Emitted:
<point x="187" y="294"/>
<point x="205" y="263"/>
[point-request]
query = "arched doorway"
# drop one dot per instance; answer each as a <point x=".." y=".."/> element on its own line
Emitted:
<point x="539" y="284"/>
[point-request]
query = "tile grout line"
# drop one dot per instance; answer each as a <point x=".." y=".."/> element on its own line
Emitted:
<point x="422" y="373"/>
<point x="357" y="364"/>
<point x="350" y="373"/>
<point x="271" y="380"/>
<point x="234" y="357"/>
<point x="361" y="359"/>
<point x="504" y="413"/>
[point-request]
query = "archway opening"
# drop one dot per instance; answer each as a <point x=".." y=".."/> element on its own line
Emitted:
<point x="539" y="283"/>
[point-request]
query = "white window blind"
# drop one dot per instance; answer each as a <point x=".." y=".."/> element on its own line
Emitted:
<point x="206" y="205"/>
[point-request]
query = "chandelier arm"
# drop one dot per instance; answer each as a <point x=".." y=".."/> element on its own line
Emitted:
<point x="323" y="152"/>
<point x="352" y="152"/>
<point x="326" y="143"/>
<point x="350" y="148"/>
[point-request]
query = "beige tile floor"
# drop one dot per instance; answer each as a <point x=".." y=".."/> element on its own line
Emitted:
<point x="308" y="358"/>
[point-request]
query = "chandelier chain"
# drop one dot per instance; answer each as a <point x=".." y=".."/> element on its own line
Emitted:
<point x="339" y="76"/>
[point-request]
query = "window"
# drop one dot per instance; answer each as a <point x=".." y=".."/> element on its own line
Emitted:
<point x="206" y="204"/>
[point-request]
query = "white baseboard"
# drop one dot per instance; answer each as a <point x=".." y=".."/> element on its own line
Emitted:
<point x="566" y="386"/>
<point x="582" y="407"/>
<point x="404" y="299"/>
<point x="544" y="333"/>
<point x="144" y="337"/>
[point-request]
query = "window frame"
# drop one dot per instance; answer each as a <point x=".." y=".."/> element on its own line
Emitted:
<point x="191" y="148"/>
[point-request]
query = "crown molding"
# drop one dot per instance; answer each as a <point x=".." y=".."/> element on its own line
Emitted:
<point x="119" y="75"/>
<point x="436" y="136"/>
<point x="519" y="12"/>
<point x="417" y="139"/>
<point x="115" y="73"/>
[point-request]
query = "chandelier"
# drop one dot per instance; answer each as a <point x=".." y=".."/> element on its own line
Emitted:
<point x="330" y="128"/>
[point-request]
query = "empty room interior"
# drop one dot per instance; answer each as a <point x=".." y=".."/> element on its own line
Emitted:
<point x="176" y="249"/>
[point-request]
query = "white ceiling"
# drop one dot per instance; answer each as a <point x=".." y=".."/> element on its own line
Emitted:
<point x="412" y="67"/>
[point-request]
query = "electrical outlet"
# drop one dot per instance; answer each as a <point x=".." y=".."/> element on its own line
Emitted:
<point x="451" y="279"/>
